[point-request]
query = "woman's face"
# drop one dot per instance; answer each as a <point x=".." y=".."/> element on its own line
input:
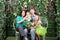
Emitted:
<point x="23" y="13"/>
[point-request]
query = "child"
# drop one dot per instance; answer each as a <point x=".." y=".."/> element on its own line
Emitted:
<point x="39" y="30"/>
<point x="28" y="16"/>
<point x="36" y="22"/>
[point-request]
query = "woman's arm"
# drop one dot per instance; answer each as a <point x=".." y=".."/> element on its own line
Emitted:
<point x="22" y="20"/>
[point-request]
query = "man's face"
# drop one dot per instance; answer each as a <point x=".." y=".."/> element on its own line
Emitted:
<point x="32" y="11"/>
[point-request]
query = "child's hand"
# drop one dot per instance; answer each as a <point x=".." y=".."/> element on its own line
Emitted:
<point x="26" y="19"/>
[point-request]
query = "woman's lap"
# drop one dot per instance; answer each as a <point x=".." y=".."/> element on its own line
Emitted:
<point x="20" y="30"/>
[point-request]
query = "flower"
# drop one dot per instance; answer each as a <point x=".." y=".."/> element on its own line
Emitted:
<point x="28" y="24"/>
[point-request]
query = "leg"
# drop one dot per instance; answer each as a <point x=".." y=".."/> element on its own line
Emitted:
<point x="37" y="36"/>
<point x="32" y="31"/>
<point x="25" y="32"/>
<point x="21" y="32"/>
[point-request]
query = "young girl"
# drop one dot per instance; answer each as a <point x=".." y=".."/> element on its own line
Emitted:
<point x="36" y="22"/>
<point x="39" y="30"/>
<point x="28" y="16"/>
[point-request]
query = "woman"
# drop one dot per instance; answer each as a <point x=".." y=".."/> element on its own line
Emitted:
<point x="20" y="22"/>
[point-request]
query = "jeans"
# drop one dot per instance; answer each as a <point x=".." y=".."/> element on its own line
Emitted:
<point x="22" y="32"/>
<point x="25" y="32"/>
<point x="32" y="32"/>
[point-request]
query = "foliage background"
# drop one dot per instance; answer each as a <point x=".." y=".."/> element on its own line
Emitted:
<point x="9" y="10"/>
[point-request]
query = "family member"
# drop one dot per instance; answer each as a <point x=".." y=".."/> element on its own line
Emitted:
<point x="20" y="22"/>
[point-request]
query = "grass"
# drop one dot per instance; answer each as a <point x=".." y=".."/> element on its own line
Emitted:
<point x="11" y="38"/>
<point x="51" y="38"/>
<point x="47" y="38"/>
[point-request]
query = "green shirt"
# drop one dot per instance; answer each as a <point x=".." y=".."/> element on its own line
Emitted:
<point x="18" y="18"/>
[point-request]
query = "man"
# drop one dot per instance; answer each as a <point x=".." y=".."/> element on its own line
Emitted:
<point x="33" y="15"/>
<point x="32" y="31"/>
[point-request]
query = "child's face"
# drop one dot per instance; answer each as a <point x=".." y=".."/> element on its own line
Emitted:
<point x="28" y="13"/>
<point x="36" y="18"/>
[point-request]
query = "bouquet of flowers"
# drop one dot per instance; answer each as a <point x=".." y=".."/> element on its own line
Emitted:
<point x="28" y="24"/>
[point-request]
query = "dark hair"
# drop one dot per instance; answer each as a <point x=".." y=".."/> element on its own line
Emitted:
<point x="36" y="13"/>
<point x="20" y="13"/>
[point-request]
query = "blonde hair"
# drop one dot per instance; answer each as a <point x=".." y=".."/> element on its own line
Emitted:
<point x="37" y="20"/>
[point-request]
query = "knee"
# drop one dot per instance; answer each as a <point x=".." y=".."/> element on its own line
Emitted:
<point x="25" y="30"/>
<point x="32" y="30"/>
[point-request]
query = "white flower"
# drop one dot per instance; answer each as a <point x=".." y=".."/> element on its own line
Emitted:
<point x="25" y="5"/>
<point x="29" y="17"/>
<point x="29" y="0"/>
<point x="25" y="2"/>
<point x="15" y="14"/>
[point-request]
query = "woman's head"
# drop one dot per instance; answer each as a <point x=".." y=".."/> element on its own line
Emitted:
<point x="23" y="13"/>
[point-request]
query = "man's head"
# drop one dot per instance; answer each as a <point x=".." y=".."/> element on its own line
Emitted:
<point x="32" y="11"/>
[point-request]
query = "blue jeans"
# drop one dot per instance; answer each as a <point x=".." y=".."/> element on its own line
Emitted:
<point x="25" y="32"/>
<point x="22" y="31"/>
<point x="32" y="32"/>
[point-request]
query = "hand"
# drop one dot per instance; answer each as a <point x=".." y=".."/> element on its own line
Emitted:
<point x="26" y="18"/>
<point x="32" y="24"/>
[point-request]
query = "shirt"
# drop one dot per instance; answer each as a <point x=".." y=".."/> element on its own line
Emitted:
<point x="32" y="18"/>
<point x="19" y="18"/>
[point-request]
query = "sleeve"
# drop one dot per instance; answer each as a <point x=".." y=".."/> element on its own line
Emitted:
<point x="18" y="18"/>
